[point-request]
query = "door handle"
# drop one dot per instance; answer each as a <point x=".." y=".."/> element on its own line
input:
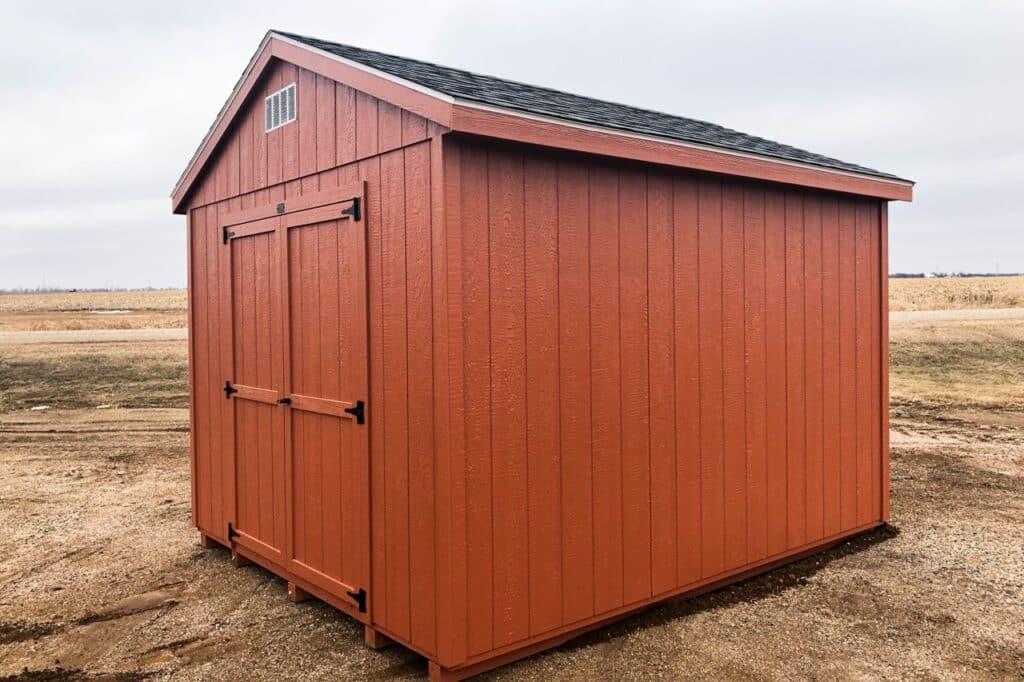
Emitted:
<point x="284" y="401"/>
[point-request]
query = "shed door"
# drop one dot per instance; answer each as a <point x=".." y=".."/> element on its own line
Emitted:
<point x="327" y="380"/>
<point x="259" y="425"/>
<point x="299" y="385"/>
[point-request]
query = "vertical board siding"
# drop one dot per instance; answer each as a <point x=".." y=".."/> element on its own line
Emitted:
<point x="680" y="364"/>
<point x="775" y="369"/>
<point x="543" y="466"/>
<point x="865" y="404"/>
<point x="477" y="389"/>
<point x="796" y="371"/>
<point x="686" y="288"/>
<point x="634" y="397"/>
<point x="419" y="332"/>
<point x="661" y="394"/>
<point x="755" y="373"/>
<point x="394" y="352"/>
<point x="710" y="402"/>
<point x="605" y="382"/>
<point x="506" y="255"/>
<point x="847" y="366"/>
<point x="335" y="125"/>
<point x="734" y="377"/>
<point x="831" y="404"/>
<point x="814" y="403"/>
<point x="577" y="517"/>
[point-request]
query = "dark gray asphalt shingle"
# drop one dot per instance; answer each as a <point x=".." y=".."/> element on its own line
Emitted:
<point x="545" y="101"/>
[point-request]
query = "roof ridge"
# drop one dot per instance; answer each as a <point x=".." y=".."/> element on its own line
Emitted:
<point x="510" y="80"/>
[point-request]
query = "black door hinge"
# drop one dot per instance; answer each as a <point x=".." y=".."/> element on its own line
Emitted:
<point x="228" y="234"/>
<point x="229" y="389"/>
<point x="353" y="210"/>
<point x="360" y="598"/>
<point x="284" y="401"/>
<point x="232" y="533"/>
<point x="358" y="411"/>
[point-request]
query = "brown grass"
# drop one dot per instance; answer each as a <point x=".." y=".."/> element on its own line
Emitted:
<point x="65" y="301"/>
<point x="964" y="362"/>
<point x="125" y="374"/>
<point x="53" y="311"/>
<point x="956" y="293"/>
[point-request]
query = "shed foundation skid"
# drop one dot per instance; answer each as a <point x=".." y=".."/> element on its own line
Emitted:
<point x="486" y="374"/>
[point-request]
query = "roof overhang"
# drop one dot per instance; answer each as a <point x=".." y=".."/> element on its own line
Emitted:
<point x="464" y="116"/>
<point x="510" y="124"/>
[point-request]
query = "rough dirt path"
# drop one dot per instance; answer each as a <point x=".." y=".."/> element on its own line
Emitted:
<point x="101" y="576"/>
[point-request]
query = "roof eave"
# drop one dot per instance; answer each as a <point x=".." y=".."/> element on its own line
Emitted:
<point x="487" y="120"/>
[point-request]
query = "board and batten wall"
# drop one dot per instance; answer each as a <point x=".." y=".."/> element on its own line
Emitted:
<point x="658" y="378"/>
<point x="341" y="136"/>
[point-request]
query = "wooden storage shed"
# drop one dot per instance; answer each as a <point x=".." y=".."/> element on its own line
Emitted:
<point x="486" y="365"/>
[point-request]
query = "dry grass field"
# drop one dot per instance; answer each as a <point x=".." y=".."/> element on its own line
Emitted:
<point x="54" y="311"/>
<point x="955" y="293"/>
<point x="101" y="577"/>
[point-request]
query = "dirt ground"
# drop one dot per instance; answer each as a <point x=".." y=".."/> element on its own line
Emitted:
<point x="101" y="576"/>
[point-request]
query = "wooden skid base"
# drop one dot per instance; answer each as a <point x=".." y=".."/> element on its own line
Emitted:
<point x="206" y="542"/>
<point x="238" y="560"/>
<point x="297" y="594"/>
<point x="375" y="639"/>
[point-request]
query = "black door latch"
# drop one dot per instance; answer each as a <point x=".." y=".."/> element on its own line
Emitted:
<point x="284" y="401"/>
<point x="358" y="412"/>
<point x="229" y="389"/>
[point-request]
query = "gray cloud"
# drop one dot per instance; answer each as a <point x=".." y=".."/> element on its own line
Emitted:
<point x="111" y="99"/>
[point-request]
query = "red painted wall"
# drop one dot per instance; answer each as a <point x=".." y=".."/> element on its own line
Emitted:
<point x="661" y="378"/>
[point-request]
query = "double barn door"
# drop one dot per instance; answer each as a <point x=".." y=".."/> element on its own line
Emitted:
<point x="300" y="381"/>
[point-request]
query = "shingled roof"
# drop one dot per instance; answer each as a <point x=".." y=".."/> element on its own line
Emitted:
<point x="542" y="101"/>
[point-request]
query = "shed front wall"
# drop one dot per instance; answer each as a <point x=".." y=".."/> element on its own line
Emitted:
<point x="658" y="379"/>
<point x="341" y="136"/>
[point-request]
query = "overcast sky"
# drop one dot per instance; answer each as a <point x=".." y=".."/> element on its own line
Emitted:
<point x="103" y="104"/>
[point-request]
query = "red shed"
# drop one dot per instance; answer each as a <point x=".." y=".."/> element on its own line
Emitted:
<point x="486" y="365"/>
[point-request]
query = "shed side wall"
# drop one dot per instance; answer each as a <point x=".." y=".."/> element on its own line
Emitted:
<point x="341" y="136"/>
<point x="658" y="378"/>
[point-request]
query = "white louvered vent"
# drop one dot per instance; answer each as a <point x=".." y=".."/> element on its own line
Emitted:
<point x="279" y="108"/>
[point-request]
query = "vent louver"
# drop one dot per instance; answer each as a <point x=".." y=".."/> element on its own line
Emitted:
<point x="279" y="108"/>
